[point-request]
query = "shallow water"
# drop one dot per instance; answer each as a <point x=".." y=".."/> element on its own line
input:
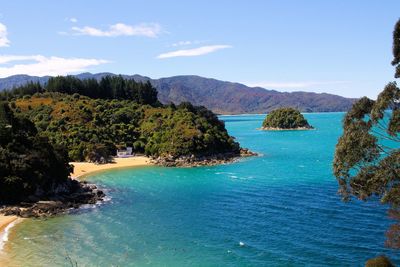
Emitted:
<point x="279" y="209"/>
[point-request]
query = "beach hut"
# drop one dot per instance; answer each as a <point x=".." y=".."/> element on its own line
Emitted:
<point x="125" y="153"/>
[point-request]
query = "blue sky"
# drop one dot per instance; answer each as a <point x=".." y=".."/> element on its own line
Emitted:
<point x="340" y="47"/>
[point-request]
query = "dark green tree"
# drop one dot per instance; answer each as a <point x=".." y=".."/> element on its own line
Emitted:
<point x="100" y="153"/>
<point x="285" y="118"/>
<point x="367" y="156"/>
<point x="380" y="261"/>
<point x="29" y="164"/>
<point x="396" y="49"/>
<point x="109" y="87"/>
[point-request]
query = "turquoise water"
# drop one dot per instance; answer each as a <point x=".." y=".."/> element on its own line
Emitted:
<point x="282" y="206"/>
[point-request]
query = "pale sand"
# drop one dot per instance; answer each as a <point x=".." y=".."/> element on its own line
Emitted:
<point x="5" y="224"/>
<point x="84" y="168"/>
<point x="6" y="220"/>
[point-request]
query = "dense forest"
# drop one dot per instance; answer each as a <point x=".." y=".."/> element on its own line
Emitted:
<point x="285" y="118"/>
<point x="29" y="163"/>
<point x="94" y="128"/>
<point x="123" y="113"/>
<point x="109" y="87"/>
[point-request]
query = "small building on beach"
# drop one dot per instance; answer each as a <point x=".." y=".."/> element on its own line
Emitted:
<point x="125" y="153"/>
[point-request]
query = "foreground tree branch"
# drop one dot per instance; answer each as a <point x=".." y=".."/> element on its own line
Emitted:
<point x="367" y="155"/>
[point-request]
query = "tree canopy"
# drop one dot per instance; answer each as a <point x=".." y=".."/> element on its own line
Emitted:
<point x="92" y="129"/>
<point x="285" y="118"/>
<point x="109" y="87"/>
<point x="367" y="156"/>
<point x="396" y="49"/>
<point x="29" y="164"/>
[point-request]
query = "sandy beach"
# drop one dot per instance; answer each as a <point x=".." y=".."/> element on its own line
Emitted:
<point x="84" y="168"/>
<point x="6" y="223"/>
<point x="6" y="220"/>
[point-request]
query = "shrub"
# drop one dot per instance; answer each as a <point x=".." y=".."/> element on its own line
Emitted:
<point x="380" y="261"/>
<point x="285" y="118"/>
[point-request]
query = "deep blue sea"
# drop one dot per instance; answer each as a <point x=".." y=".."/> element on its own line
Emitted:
<point x="278" y="209"/>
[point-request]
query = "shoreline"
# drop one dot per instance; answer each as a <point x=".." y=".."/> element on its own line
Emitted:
<point x="6" y="223"/>
<point x="82" y="169"/>
<point x="264" y="114"/>
<point x="206" y="160"/>
<point x="286" y="129"/>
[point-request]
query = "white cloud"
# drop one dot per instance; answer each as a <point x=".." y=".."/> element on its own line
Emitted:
<point x="185" y="43"/>
<point x="73" y="20"/>
<point x="3" y="36"/>
<point x="39" y="65"/>
<point x="180" y="43"/>
<point x="120" y="29"/>
<point x="292" y="85"/>
<point x="203" y="50"/>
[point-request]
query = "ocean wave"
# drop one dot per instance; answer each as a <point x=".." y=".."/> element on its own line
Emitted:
<point x="5" y="233"/>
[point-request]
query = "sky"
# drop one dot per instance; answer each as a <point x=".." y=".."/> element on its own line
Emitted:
<point x="339" y="47"/>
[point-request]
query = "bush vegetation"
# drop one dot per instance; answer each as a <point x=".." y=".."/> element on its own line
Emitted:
<point x="29" y="163"/>
<point x="93" y="129"/>
<point x="285" y="118"/>
<point x="380" y="261"/>
<point x="109" y="87"/>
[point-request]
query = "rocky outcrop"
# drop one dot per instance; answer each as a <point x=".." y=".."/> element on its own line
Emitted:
<point x="205" y="160"/>
<point x="286" y="129"/>
<point x="72" y="195"/>
<point x="245" y="152"/>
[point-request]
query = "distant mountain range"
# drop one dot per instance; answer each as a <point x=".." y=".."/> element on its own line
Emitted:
<point x="220" y="96"/>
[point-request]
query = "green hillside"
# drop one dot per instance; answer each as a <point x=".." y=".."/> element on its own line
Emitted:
<point x="91" y="128"/>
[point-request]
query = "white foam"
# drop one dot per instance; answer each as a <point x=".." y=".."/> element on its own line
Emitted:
<point x="37" y="237"/>
<point x="4" y="234"/>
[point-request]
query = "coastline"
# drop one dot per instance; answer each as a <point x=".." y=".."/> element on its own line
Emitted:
<point x="264" y="114"/>
<point x="82" y="169"/>
<point x="5" y="222"/>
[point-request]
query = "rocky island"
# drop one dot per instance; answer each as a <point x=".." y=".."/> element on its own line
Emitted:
<point x="285" y="119"/>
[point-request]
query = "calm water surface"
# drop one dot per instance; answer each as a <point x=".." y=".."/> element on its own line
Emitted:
<point x="282" y="207"/>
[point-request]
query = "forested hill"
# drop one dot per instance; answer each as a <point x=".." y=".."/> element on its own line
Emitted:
<point x="219" y="96"/>
<point x="91" y="119"/>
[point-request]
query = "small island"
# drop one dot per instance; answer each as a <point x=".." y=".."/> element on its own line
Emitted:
<point x="285" y="119"/>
